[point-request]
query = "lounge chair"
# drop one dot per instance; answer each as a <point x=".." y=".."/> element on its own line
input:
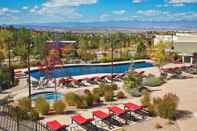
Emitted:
<point x="56" y="126"/>
<point x="85" y="123"/>
<point x="104" y="117"/>
<point x="136" y="109"/>
<point x="121" y="113"/>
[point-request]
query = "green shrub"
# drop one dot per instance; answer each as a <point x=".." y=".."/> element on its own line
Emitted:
<point x="81" y="103"/>
<point x="89" y="99"/>
<point x="146" y="101"/>
<point x="59" y="106"/>
<point x="42" y="105"/>
<point x="72" y="99"/>
<point x="153" y="81"/>
<point x="168" y="106"/>
<point x="96" y="98"/>
<point x="24" y="104"/>
<point x="109" y="95"/>
<point x="114" y="86"/>
<point x="120" y="95"/>
<point x="34" y="115"/>
<point x="135" y="92"/>
<point x="98" y="91"/>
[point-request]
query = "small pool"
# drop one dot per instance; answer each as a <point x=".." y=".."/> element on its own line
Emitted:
<point x="49" y="96"/>
<point x="76" y="70"/>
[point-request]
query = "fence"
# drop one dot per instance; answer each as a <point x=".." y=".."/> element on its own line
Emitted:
<point x="10" y="120"/>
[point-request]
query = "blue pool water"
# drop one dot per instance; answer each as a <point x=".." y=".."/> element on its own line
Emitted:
<point x="76" y="70"/>
<point x="49" y="96"/>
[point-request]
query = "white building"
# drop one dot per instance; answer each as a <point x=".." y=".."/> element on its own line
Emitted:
<point x="184" y="43"/>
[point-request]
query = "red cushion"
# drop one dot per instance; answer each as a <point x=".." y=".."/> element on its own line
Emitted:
<point x="132" y="106"/>
<point x="80" y="119"/>
<point x="116" y="110"/>
<point x="55" y="125"/>
<point x="100" y="114"/>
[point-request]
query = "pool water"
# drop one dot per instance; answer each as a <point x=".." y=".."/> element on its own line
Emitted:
<point x="49" y="96"/>
<point x="76" y="70"/>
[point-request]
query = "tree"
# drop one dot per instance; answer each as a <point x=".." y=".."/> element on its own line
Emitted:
<point x="141" y="50"/>
<point x="159" y="55"/>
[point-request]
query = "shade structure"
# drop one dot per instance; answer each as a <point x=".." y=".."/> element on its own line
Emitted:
<point x="116" y="110"/>
<point x="80" y="119"/>
<point x="55" y="125"/>
<point x="100" y="114"/>
<point x="132" y="106"/>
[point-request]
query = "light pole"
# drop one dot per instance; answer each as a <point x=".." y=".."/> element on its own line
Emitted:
<point x="112" y="56"/>
<point x="29" y="46"/>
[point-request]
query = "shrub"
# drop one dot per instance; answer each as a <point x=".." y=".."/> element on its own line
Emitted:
<point x="167" y="107"/>
<point x="135" y="92"/>
<point x="114" y="86"/>
<point x="81" y="103"/>
<point x="109" y="95"/>
<point x="146" y="99"/>
<point x="24" y="104"/>
<point x="153" y="81"/>
<point x="87" y="92"/>
<point x="59" y="106"/>
<point x="120" y="95"/>
<point x="98" y="91"/>
<point x="34" y="115"/>
<point x="72" y="99"/>
<point x="42" y="105"/>
<point x="96" y="98"/>
<point x="89" y="99"/>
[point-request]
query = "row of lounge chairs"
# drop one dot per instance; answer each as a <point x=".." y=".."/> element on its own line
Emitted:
<point x="115" y="117"/>
<point x="91" y="80"/>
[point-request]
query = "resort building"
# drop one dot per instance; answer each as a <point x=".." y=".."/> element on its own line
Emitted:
<point x="184" y="43"/>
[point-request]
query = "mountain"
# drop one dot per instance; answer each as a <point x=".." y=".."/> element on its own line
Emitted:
<point x="115" y="26"/>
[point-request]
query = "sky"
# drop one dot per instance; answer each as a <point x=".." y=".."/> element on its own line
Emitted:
<point x="54" y="11"/>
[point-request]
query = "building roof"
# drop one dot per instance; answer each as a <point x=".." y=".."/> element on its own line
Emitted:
<point x="186" y="47"/>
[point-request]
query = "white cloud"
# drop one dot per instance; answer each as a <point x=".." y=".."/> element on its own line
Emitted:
<point x="60" y="3"/>
<point x="136" y="1"/>
<point x="25" y="8"/>
<point x="119" y="12"/>
<point x="149" y="13"/>
<point x="182" y="1"/>
<point x="6" y="11"/>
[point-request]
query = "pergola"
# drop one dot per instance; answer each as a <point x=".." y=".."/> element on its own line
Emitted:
<point x="186" y="55"/>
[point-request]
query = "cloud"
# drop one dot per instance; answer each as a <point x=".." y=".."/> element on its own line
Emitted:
<point x="61" y="3"/>
<point x="149" y="13"/>
<point x="136" y="1"/>
<point x="182" y="1"/>
<point x="119" y="12"/>
<point x="7" y="11"/>
<point x="25" y="8"/>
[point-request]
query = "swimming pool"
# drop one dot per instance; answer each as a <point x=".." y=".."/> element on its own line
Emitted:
<point x="49" y="96"/>
<point x="76" y="70"/>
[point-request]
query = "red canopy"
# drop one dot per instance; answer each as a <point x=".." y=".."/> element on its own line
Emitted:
<point x="55" y="125"/>
<point x="132" y="106"/>
<point x="100" y="114"/>
<point x="116" y="110"/>
<point x="80" y="119"/>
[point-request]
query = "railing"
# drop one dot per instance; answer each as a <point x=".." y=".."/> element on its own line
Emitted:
<point x="10" y="120"/>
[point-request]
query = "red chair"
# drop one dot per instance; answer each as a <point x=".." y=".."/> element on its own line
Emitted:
<point x="104" y="117"/>
<point x="135" y="108"/>
<point x="83" y="122"/>
<point x="116" y="111"/>
<point x="56" y="126"/>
